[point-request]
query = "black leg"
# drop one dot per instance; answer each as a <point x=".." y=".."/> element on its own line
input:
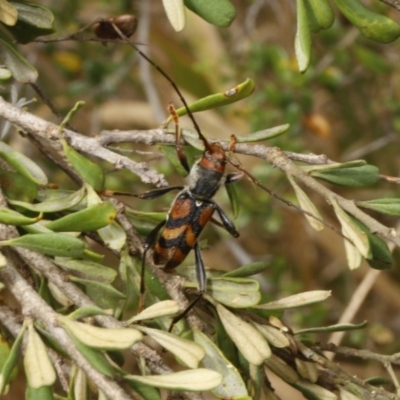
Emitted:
<point x="153" y="194"/>
<point x="201" y="280"/>
<point x="149" y="243"/>
<point x="226" y="222"/>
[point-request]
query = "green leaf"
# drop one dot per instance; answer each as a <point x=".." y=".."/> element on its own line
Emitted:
<point x="145" y="391"/>
<point x="193" y="380"/>
<point x="113" y="236"/>
<point x="283" y="370"/>
<point x="256" y="350"/>
<point x="381" y="256"/>
<point x="274" y="336"/>
<point x="5" y="73"/>
<point x="90" y="219"/>
<point x="160" y="309"/>
<point x="187" y="352"/>
<point x="235" y="292"/>
<point x="87" y="311"/>
<point x="358" y="176"/>
<point x="248" y="269"/>
<point x="237" y="93"/>
<point x="9" y="362"/>
<point x="220" y="13"/>
<point x="21" y="69"/>
<point x="313" y="391"/>
<point x="389" y="206"/>
<point x="22" y="164"/>
<point x="232" y="386"/>
<point x="101" y="338"/>
<point x="16" y="186"/>
<point x="57" y="204"/>
<point x="41" y="393"/>
<point x="89" y="171"/>
<point x="297" y="300"/>
<point x="102" y="294"/>
<point x="265" y="134"/>
<point x="307" y="205"/>
<point x="320" y="14"/>
<point x="302" y="43"/>
<point x="359" y="245"/>
<point x="38" y="367"/>
<point x="33" y="20"/>
<point x="11" y="217"/>
<point x="52" y="244"/>
<point x="34" y="14"/>
<point x="95" y="357"/>
<point x="372" y="25"/>
<point x="88" y="270"/>
<point x="333" y="328"/>
<point x="170" y="154"/>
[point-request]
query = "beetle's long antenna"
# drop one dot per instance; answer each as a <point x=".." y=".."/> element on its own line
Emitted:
<point x="169" y="79"/>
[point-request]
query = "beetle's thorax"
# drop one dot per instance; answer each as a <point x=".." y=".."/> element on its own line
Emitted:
<point x="207" y="174"/>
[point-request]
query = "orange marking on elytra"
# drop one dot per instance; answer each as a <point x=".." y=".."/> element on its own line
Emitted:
<point x="181" y="209"/>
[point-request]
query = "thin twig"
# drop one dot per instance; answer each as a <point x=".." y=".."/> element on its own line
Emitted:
<point x="392" y="3"/>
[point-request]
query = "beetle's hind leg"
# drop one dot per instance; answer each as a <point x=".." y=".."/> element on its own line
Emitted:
<point x="201" y="280"/>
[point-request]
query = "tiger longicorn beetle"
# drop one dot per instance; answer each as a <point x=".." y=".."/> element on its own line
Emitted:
<point x="173" y="238"/>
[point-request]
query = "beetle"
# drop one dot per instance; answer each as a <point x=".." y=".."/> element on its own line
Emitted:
<point x="173" y="238"/>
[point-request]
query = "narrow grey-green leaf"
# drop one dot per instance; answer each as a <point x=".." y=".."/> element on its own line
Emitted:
<point x="381" y="256"/>
<point x="88" y="270"/>
<point x="265" y="134"/>
<point x="389" y="206"/>
<point x="160" y="309"/>
<point x="95" y="357"/>
<point x="356" y="177"/>
<point x="34" y="14"/>
<point x="24" y="165"/>
<point x="333" y="328"/>
<point x="194" y="380"/>
<point x="41" y="393"/>
<point x="113" y="236"/>
<point x="274" y="336"/>
<point x="283" y="370"/>
<point x="302" y="44"/>
<point x="11" y="217"/>
<point x="8" y="371"/>
<point x="38" y="367"/>
<point x="87" y="311"/>
<point x="256" y="350"/>
<point x="248" y="269"/>
<point x="186" y="351"/>
<point x="54" y="205"/>
<point x="175" y="11"/>
<point x="52" y="244"/>
<point x="307" y="205"/>
<point x="21" y="69"/>
<point x="313" y="391"/>
<point x="232" y="386"/>
<point x="297" y="300"/>
<point x="235" y="292"/>
<point x="102" y="294"/>
<point x="354" y="233"/>
<point x="220" y="13"/>
<point x="101" y="338"/>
